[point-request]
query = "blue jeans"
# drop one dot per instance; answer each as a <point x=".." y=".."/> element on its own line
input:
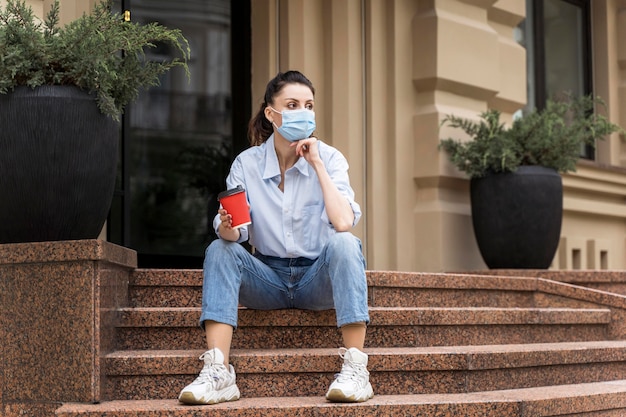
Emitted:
<point x="233" y="276"/>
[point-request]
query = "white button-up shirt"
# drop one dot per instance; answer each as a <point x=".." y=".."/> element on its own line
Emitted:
<point x="290" y="223"/>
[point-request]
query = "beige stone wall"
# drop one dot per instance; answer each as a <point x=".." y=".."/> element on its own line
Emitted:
<point x="465" y="61"/>
<point x="69" y="9"/>
<point x="388" y="71"/>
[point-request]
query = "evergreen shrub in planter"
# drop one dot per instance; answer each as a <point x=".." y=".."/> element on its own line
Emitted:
<point x="515" y="188"/>
<point x="62" y="91"/>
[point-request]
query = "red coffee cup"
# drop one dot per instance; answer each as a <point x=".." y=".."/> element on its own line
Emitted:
<point x="235" y="203"/>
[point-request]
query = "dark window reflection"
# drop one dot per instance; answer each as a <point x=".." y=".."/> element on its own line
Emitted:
<point x="178" y="139"/>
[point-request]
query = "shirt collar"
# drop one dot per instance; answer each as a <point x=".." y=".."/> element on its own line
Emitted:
<point x="271" y="161"/>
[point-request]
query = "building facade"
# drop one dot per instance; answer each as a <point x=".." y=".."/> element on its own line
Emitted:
<point x="388" y="71"/>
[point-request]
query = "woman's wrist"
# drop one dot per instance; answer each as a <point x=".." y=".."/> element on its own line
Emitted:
<point x="229" y="234"/>
<point x="318" y="165"/>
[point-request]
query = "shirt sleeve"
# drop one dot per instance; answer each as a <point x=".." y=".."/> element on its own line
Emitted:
<point x="337" y="168"/>
<point x="235" y="177"/>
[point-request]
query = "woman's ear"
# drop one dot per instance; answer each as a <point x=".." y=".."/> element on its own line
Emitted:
<point x="268" y="114"/>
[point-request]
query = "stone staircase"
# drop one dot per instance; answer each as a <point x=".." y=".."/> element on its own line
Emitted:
<point x="439" y="344"/>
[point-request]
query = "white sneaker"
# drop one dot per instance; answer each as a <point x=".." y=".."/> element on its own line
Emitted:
<point x="352" y="384"/>
<point x="215" y="384"/>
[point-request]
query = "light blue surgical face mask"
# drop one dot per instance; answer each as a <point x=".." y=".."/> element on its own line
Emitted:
<point x="297" y="124"/>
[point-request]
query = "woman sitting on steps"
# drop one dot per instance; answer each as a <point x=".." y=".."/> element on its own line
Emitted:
<point x="302" y="208"/>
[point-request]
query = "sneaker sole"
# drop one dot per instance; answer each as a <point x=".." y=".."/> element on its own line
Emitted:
<point x="227" y="394"/>
<point x="336" y="395"/>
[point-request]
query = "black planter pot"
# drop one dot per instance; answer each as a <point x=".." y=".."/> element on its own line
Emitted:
<point x="517" y="217"/>
<point x="58" y="160"/>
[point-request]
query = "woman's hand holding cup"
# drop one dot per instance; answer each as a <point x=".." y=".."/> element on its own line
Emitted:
<point x="226" y="219"/>
<point x="235" y="211"/>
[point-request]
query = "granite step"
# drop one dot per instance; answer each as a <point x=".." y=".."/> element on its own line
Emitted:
<point x="153" y="374"/>
<point x="183" y="288"/>
<point x="613" y="281"/>
<point x="439" y="344"/>
<point x="177" y="328"/>
<point x="599" y="399"/>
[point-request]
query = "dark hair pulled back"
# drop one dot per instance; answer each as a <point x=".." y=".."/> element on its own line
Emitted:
<point x="259" y="128"/>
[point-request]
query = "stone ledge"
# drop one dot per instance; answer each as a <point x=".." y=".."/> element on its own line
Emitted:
<point x="68" y="250"/>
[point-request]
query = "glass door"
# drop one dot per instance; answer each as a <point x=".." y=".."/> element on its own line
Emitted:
<point x="178" y="138"/>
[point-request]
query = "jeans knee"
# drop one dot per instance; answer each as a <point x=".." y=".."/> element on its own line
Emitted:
<point x="216" y="245"/>
<point x="344" y="245"/>
<point x="344" y="242"/>
<point x="220" y="248"/>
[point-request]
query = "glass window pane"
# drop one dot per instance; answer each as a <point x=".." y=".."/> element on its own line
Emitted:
<point x="525" y="36"/>
<point x="179" y="137"/>
<point x="564" y="48"/>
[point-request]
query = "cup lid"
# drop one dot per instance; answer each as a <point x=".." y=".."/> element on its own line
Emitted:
<point x="230" y="192"/>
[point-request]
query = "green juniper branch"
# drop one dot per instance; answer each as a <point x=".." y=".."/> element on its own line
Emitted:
<point x="98" y="52"/>
<point x="552" y="137"/>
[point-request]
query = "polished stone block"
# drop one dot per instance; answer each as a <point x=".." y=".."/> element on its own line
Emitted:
<point x="58" y="303"/>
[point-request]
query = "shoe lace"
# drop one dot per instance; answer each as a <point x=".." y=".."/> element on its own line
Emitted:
<point x="350" y="370"/>
<point x="211" y="372"/>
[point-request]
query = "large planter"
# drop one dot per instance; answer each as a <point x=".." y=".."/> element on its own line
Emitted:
<point x="58" y="159"/>
<point x="517" y="217"/>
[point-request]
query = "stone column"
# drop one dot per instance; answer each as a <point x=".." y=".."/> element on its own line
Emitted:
<point x="465" y="61"/>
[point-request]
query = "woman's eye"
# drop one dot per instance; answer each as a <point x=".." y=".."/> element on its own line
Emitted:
<point x="291" y="106"/>
<point x="309" y="107"/>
